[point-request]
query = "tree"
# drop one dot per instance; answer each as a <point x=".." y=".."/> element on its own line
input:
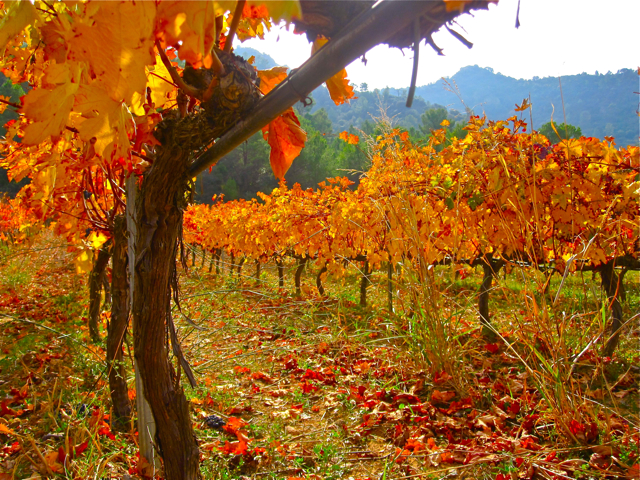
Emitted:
<point x="433" y="118"/>
<point x="565" y="131"/>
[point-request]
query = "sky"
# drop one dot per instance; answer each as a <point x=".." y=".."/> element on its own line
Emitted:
<point x="555" y="38"/>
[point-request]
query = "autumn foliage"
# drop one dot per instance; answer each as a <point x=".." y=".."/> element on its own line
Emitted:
<point x="498" y="192"/>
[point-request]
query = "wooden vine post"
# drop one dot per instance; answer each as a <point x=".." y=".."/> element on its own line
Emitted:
<point x="118" y="326"/>
<point x="146" y="424"/>
<point x="96" y="280"/>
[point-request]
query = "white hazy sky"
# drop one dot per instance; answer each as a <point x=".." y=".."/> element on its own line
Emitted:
<point x="555" y="38"/>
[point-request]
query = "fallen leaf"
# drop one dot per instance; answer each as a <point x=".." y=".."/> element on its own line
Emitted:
<point x="4" y="430"/>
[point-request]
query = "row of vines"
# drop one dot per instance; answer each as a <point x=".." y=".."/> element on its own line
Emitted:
<point x="500" y="197"/>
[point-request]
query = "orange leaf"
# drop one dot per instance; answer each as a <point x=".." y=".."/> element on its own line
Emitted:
<point x="350" y="139"/>
<point x="525" y="104"/>
<point x="4" y="430"/>
<point x="270" y="78"/>
<point x="441" y="397"/>
<point x="338" y="85"/>
<point x="286" y="138"/>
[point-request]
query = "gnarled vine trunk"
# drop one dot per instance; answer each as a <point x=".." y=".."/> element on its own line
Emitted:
<point x="280" y="266"/>
<point x="490" y="268"/>
<point x="118" y="326"/>
<point x="613" y="287"/>
<point x="319" y="279"/>
<point x="159" y="218"/>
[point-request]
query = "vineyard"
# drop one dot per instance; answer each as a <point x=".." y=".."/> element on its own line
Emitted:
<point x="499" y="198"/>
<point x="358" y="338"/>
<point x="468" y="309"/>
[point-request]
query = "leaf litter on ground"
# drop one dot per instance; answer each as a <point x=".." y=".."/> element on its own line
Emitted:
<point x="289" y="388"/>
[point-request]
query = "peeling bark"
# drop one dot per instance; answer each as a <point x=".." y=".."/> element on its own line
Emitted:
<point x="159" y="217"/>
<point x="118" y="326"/>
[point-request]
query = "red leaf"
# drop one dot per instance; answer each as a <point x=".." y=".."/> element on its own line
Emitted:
<point x="492" y="347"/>
<point x="61" y="455"/>
<point x="441" y="377"/>
<point x="82" y="447"/>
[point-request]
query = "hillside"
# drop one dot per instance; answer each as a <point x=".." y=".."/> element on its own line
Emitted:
<point x="599" y="104"/>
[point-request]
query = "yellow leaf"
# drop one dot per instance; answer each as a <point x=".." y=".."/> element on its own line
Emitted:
<point x="117" y="43"/>
<point x="338" y="85"/>
<point x="281" y="10"/>
<point x="19" y="16"/>
<point x="349" y="138"/>
<point x="190" y="25"/>
<point x="3" y="106"/>
<point x="160" y="84"/>
<point x="50" y="109"/>
<point x="104" y="119"/>
<point x="97" y="239"/>
<point x="83" y="262"/>
<point x="525" y="104"/>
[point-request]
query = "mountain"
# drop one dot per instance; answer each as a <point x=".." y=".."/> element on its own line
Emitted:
<point x="599" y="104"/>
<point x="262" y="60"/>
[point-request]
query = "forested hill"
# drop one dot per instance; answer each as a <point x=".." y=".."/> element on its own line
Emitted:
<point x="599" y="104"/>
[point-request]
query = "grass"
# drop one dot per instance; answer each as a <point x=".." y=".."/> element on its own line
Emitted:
<point x="329" y="389"/>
